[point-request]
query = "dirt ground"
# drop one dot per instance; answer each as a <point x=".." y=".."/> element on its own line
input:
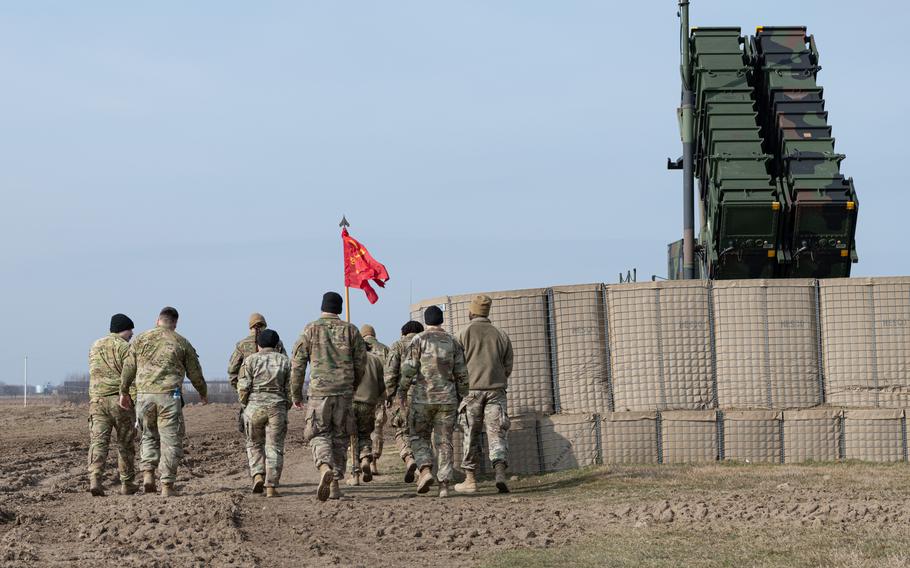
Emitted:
<point x="719" y="515"/>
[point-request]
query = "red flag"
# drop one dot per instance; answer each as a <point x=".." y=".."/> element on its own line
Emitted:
<point x="360" y="267"/>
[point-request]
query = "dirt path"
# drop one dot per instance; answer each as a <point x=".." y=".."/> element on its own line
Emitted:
<point x="48" y="518"/>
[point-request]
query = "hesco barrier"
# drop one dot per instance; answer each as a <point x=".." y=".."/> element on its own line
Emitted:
<point x="776" y="371"/>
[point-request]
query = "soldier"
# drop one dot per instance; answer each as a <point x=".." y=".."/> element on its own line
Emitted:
<point x="369" y="392"/>
<point x="247" y="346"/>
<point x="395" y="399"/>
<point x="369" y="337"/>
<point x="105" y="360"/>
<point x="263" y="392"/>
<point x="488" y="353"/>
<point x="157" y="361"/>
<point x="337" y="354"/>
<point x="435" y="364"/>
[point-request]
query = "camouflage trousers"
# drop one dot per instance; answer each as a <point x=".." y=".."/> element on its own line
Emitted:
<point x="329" y="422"/>
<point x="479" y="410"/>
<point x="161" y="423"/>
<point x="266" y="427"/>
<point x="398" y="420"/>
<point x="429" y="424"/>
<point x="105" y="416"/>
<point x="379" y="422"/>
<point x="365" y="422"/>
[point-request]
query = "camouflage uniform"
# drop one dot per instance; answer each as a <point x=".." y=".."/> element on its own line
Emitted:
<point x="382" y="351"/>
<point x="262" y="388"/>
<point x="337" y="354"/>
<point x="369" y="392"/>
<point x="398" y="411"/>
<point x="105" y="362"/>
<point x="436" y="366"/>
<point x="488" y="354"/>
<point x="244" y="348"/>
<point x="157" y="361"/>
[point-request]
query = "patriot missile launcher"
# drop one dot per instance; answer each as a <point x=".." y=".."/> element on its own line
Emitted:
<point x="756" y="136"/>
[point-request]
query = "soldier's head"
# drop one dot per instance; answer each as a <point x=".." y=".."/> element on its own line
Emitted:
<point x="411" y="327"/>
<point x="331" y="303"/>
<point x="267" y="339"/>
<point x="480" y="306"/>
<point x="367" y="330"/>
<point x="122" y="325"/>
<point x="257" y="322"/>
<point x="433" y="315"/>
<point x="167" y="317"/>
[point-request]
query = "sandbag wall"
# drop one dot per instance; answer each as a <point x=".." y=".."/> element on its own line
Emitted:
<point x="775" y="371"/>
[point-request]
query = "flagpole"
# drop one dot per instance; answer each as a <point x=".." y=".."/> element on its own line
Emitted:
<point x="352" y="441"/>
<point x="347" y="303"/>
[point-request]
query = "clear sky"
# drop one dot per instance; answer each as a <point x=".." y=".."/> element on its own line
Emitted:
<point x="200" y="154"/>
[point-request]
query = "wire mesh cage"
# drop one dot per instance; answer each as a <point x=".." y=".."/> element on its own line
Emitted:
<point x="766" y="343"/>
<point x="874" y="435"/>
<point x="752" y="436"/>
<point x="812" y="435"/>
<point x="629" y="438"/>
<point x="660" y="346"/>
<point x="568" y="441"/>
<point x="865" y="337"/>
<point x="689" y="436"/>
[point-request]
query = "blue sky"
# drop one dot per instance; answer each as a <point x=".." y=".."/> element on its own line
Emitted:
<point x="201" y="154"/>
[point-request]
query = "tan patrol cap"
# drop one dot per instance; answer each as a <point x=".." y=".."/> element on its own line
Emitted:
<point x="480" y="305"/>
<point x="257" y="318"/>
<point x="367" y="330"/>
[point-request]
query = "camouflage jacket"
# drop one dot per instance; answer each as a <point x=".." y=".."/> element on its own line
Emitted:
<point x="105" y="363"/>
<point x="435" y="363"/>
<point x="336" y="353"/>
<point x="244" y="348"/>
<point x="158" y="360"/>
<point x="392" y="373"/>
<point x="372" y="387"/>
<point x="264" y="378"/>
<point x="377" y="347"/>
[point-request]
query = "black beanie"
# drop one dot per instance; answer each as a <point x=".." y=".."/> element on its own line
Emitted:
<point x="433" y="315"/>
<point x="331" y="303"/>
<point x="411" y="327"/>
<point x="267" y="338"/>
<point x="120" y="322"/>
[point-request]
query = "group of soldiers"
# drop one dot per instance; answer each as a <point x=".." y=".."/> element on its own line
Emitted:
<point x="425" y="384"/>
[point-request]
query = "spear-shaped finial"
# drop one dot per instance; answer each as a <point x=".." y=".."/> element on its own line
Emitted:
<point x="344" y="222"/>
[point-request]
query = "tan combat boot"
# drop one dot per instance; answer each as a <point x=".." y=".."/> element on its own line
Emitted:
<point x="128" y="488"/>
<point x="443" y="489"/>
<point x="501" y="478"/>
<point x="258" y="483"/>
<point x="95" y="486"/>
<point x="271" y="492"/>
<point x="425" y="480"/>
<point x="354" y="480"/>
<point x="410" y="469"/>
<point x="168" y="490"/>
<point x="148" y="481"/>
<point x="469" y="485"/>
<point x="334" y="490"/>
<point x="325" y="480"/>
<point x="374" y="465"/>
<point x="367" y="468"/>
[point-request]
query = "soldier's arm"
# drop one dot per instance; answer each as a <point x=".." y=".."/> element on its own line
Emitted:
<point x="392" y="373"/>
<point x="234" y="366"/>
<point x="194" y="371"/>
<point x="508" y="357"/>
<point x="123" y="350"/>
<point x="244" y="382"/>
<point x="460" y="371"/>
<point x="360" y="356"/>
<point x="380" y="372"/>
<point x="299" y="360"/>
<point x="128" y="374"/>
<point x="410" y="366"/>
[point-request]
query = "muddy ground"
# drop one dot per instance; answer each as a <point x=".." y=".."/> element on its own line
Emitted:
<point x="593" y="516"/>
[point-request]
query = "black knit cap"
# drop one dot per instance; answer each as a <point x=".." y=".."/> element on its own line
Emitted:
<point x="411" y="327"/>
<point x="267" y="338"/>
<point x="331" y="303"/>
<point x="433" y="315"/>
<point x="121" y="322"/>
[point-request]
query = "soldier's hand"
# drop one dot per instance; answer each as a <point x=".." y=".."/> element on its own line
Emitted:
<point x="298" y="405"/>
<point x="204" y="399"/>
<point x="125" y="402"/>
